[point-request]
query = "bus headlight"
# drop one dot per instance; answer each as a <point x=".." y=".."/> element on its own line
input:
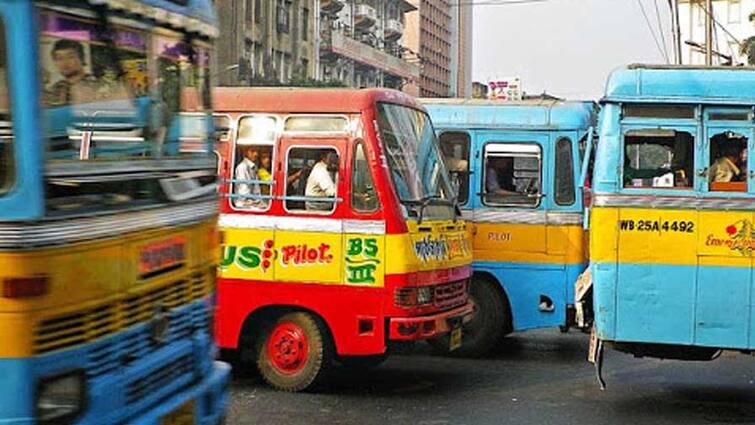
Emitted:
<point x="60" y="399"/>
<point x="410" y="297"/>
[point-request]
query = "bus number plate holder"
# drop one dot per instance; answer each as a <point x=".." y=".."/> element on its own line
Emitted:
<point x="184" y="415"/>
<point x="454" y="337"/>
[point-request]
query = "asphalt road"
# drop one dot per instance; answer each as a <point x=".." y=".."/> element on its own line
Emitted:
<point x="538" y="377"/>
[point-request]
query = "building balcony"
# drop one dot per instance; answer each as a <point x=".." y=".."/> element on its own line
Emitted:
<point x="332" y="6"/>
<point x="394" y="29"/>
<point x="339" y="46"/>
<point x="364" y="16"/>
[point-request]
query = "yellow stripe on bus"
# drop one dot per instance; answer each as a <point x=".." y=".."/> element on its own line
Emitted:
<point x="674" y="237"/>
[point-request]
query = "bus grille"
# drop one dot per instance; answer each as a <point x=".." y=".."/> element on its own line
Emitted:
<point x="96" y="322"/>
<point x="158" y="378"/>
<point x="452" y="294"/>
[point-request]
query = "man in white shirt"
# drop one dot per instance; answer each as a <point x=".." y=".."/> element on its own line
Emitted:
<point x="247" y="170"/>
<point x="320" y="183"/>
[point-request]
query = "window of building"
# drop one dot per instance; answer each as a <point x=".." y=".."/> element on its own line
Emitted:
<point x="727" y="171"/>
<point x="455" y="148"/>
<point x="512" y="175"/>
<point x="283" y="12"/>
<point x="734" y="11"/>
<point x="7" y="168"/>
<point x="564" y="178"/>
<point x="363" y="195"/>
<point x="312" y="179"/>
<point x="658" y="158"/>
<point x="305" y="24"/>
<point x="257" y="11"/>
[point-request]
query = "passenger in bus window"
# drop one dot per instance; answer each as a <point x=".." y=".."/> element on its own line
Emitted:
<point x="320" y="183"/>
<point x="725" y="169"/>
<point x="264" y="172"/>
<point x="499" y="176"/>
<point x="246" y="172"/>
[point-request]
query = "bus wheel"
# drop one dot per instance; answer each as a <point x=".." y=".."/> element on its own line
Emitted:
<point x="294" y="352"/>
<point x="488" y="325"/>
<point x="362" y="362"/>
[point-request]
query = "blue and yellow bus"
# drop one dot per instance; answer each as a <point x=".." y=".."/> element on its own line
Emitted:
<point x="673" y="243"/>
<point x="518" y="168"/>
<point x="108" y="235"/>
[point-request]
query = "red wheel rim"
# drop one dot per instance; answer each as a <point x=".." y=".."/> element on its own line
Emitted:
<point x="287" y="348"/>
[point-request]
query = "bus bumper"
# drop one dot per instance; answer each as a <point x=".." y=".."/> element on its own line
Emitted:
<point x="205" y="402"/>
<point x="430" y="326"/>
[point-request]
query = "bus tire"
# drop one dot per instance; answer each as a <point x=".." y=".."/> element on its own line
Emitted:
<point x="488" y="326"/>
<point x="294" y="352"/>
<point x="362" y="362"/>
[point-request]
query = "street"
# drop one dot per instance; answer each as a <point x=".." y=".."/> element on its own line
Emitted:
<point x="537" y="377"/>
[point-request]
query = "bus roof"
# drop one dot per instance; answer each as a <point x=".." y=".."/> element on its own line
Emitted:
<point x="682" y="84"/>
<point x="529" y="114"/>
<point x="192" y="15"/>
<point x="305" y="100"/>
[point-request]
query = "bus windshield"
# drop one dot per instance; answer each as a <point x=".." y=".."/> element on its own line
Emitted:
<point x="414" y="158"/>
<point x="96" y="91"/>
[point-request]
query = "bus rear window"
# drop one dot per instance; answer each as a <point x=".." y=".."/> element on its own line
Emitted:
<point x="658" y="158"/>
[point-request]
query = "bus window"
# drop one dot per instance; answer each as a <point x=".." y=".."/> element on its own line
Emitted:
<point x="321" y="123"/>
<point x="658" y="158"/>
<point x="363" y="196"/>
<point x="311" y="173"/>
<point x="222" y="125"/>
<point x="253" y="177"/>
<point x="512" y="174"/>
<point x="727" y="171"/>
<point x="564" y="179"/>
<point x="455" y="148"/>
<point x="6" y="124"/>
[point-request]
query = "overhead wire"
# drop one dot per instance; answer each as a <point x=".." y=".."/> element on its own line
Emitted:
<point x="660" y="29"/>
<point x="652" y="32"/>
<point x="493" y="2"/>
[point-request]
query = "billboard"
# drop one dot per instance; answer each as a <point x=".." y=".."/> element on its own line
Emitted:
<point x="508" y="89"/>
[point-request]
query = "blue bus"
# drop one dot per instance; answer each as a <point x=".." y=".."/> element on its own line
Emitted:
<point x="519" y="169"/>
<point x="108" y="234"/>
<point x="674" y="195"/>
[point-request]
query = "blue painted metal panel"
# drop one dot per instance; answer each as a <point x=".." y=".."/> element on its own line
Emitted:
<point x="723" y="301"/>
<point x="604" y="277"/>
<point x="656" y="303"/>
<point x="17" y="391"/>
<point x="25" y="199"/>
<point x="725" y="86"/>
<point x="524" y="283"/>
<point x="496" y="115"/>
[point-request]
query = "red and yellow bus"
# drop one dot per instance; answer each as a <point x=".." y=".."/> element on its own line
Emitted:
<point x="340" y="230"/>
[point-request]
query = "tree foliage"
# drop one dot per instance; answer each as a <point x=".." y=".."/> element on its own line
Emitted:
<point x="748" y="45"/>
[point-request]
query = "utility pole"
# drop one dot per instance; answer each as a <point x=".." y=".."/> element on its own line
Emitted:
<point x="676" y="30"/>
<point x="709" y="33"/>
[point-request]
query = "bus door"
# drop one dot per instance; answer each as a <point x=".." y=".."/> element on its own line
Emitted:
<point x="510" y="225"/>
<point x="657" y="246"/>
<point x="726" y="236"/>
<point x="311" y="185"/>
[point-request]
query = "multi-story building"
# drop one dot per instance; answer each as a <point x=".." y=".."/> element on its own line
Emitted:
<point x="441" y="32"/>
<point x="266" y="42"/>
<point x="360" y="43"/>
<point x="733" y="15"/>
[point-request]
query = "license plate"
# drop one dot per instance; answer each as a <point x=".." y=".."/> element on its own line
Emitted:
<point x="455" y="339"/>
<point x="161" y="255"/>
<point x="184" y="415"/>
